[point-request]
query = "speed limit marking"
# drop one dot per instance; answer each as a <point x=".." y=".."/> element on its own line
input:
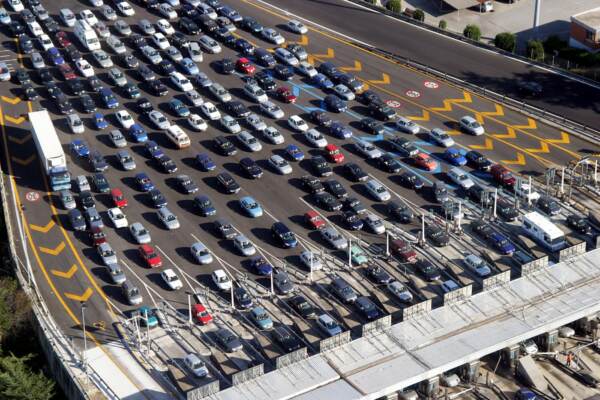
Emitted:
<point x="413" y="93"/>
<point x="32" y="196"/>
<point x="431" y="85"/>
<point x="393" y="103"/>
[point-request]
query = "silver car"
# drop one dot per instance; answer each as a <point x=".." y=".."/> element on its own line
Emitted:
<point x="209" y="44"/>
<point x="201" y="253"/>
<point x="244" y="246"/>
<point x="117" y="77"/>
<point x="82" y="183"/>
<point x="367" y="149"/>
<point x="174" y="54"/>
<point x="280" y="165"/>
<point x="116" y="45"/>
<point x="159" y="120"/>
<point x="311" y="260"/>
<point x="126" y="160"/>
<point x="102" y="58"/>
<point x="168" y="218"/>
<point x="123" y="27"/>
<point x="374" y="223"/>
<point x="334" y="238"/>
<point x="107" y="254"/>
<point x="470" y="125"/>
<point x="440" y="137"/>
<point x="108" y="13"/>
<point x="406" y="125"/>
<point x="271" y="109"/>
<point x="286" y="57"/>
<point x="230" y="124"/>
<point x="194" y="97"/>
<point x="477" y="265"/>
<point x="272" y="135"/>
<point x="151" y="54"/>
<point x="139" y="233"/>
<point x="117" y="138"/>
<point x="343" y="92"/>
<point x="93" y="218"/>
<point x="400" y="291"/>
<point x="256" y="122"/>
<point x="249" y="141"/>
<point x="219" y="92"/>
<point x="67" y="199"/>
<point x="146" y="27"/>
<point x="131" y="293"/>
<point x="377" y="190"/>
<point x="116" y="273"/>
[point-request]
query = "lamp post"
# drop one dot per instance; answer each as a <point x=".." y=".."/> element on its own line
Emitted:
<point x="83" y="355"/>
<point x="189" y="298"/>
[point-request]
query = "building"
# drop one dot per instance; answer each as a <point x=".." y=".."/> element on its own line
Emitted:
<point x="585" y="30"/>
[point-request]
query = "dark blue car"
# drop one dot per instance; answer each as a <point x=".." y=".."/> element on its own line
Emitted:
<point x="153" y="149"/>
<point x="144" y="182"/>
<point x="339" y="130"/>
<point x="294" y="152"/>
<point x="108" y="98"/>
<point x="138" y="133"/>
<point x="322" y="82"/>
<point x="55" y="56"/>
<point x="284" y="235"/>
<point x="79" y="148"/>
<point x="501" y="243"/>
<point x="455" y="157"/>
<point x="205" y="162"/>
<point x="261" y="266"/>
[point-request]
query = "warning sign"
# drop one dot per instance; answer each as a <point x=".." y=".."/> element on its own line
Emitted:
<point x="431" y="85"/>
<point x="32" y="196"/>
<point x="413" y="93"/>
<point x="393" y="103"/>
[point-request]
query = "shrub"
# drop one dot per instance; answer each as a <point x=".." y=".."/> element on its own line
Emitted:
<point x="443" y="24"/>
<point x="419" y="15"/>
<point x="394" y="6"/>
<point x="535" y="50"/>
<point x="506" y="41"/>
<point x="472" y="32"/>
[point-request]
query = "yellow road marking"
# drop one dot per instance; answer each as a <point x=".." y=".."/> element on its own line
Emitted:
<point x="303" y="40"/>
<point x="385" y="80"/>
<point x="448" y="102"/>
<point x="453" y="132"/>
<point x="53" y="251"/>
<point x="542" y="149"/>
<point x="11" y="100"/>
<point x="65" y="274"/>
<point x="510" y="134"/>
<point x="488" y="145"/>
<point x="530" y="124"/>
<point x="14" y="120"/>
<point x="43" y="229"/>
<point x="564" y="138"/>
<point x="498" y="112"/>
<point x="330" y="54"/>
<point x="20" y="141"/>
<point x="425" y="116"/>
<point x="519" y="161"/>
<point x="357" y="67"/>
<point x="24" y="162"/>
<point x="80" y="297"/>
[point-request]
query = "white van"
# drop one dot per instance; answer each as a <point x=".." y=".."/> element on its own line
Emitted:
<point x="67" y="17"/>
<point x="178" y="136"/>
<point x="35" y="28"/>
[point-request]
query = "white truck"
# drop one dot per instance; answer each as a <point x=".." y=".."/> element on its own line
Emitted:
<point x="50" y="150"/>
<point x="86" y="35"/>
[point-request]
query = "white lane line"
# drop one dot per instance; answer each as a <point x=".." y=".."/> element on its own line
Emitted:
<point x="147" y="287"/>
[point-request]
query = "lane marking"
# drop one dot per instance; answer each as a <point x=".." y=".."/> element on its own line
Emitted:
<point x="447" y="103"/>
<point x="425" y="116"/>
<point x="357" y="67"/>
<point x="43" y="229"/>
<point x="519" y="161"/>
<point x="531" y="124"/>
<point x="330" y="54"/>
<point x="542" y="149"/>
<point x="510" y="134"/>
<point x="53" y="251"/>
<point x="303" y="40"/>
<point x="80" y="297"/>
<point x="499" y="111"/>
<point x="564" y="138"/>
<point x="14" y="120"/>
<point x="21" y="140"/>
<point x="10" y="100"/>
<point x="487" y="145"/>
<point x="385" y="80"/>
<point x="32" y="196"/>
<point x="65" y="274"/>
<point x="24" y="161"/>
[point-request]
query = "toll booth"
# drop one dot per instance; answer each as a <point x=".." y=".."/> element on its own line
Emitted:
<point x="586" y="325"/>
<point x="429" y="388"/>
<point x="548" y="341"/>
<point x="510" y="355"/>
<point x="470" y="371"/>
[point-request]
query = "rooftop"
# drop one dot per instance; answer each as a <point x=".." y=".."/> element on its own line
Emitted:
<point x="590" y="18"/>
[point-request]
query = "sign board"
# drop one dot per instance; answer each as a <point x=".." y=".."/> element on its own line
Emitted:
<point x="571" y="251"/>
<point x="32" y="196"/>
<point x="377" y="326"/>
<point x="413" y="93"/>
<point x="204" y="391"/>
<point x="393" y="103"/>
<point x="431" y="85"/>
<point x="496" y="280"/>
<point x="457" y="295"/>
<point x="334" y="341"/>
<point x="417" y="310"/>
<point x="533" y="266"/>
<point x="247" y="374"/>
<point x="291" y="358"/>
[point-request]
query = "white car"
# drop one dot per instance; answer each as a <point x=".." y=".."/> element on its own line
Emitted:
<point x="45" y="42"/>
<point x="280" y="164"/>
<point x="116" y="45"/>
<point x="160" y="41"/>
<point x="125" y="8"/>
<point x="122" y="27"/>
<point x="171" y="279"/>
<point x="194" y="52"/>
<point x="125" y="119"/>
<point x="169" y="219"/>
<point x="307" y="69"/>
<point x="140" y="233"/>
<point x="440" y="137"/>
<point x="406" y="125"/>
<point x="107" y="254"/>
<point x="210" y="111"/>
<point x="4" y="72"/>
<point x="102" y="30"/>
<point x="204" y="8"/>
<point x="201" y="253"/>
<point x="196" y="365"/>
<point x="85" y="68"/>
<point x="374" y="223"/>
<point x="181" y="82"/>
<point x="75" y="123"/>
<point x="167" y="11"/>
<point x="529" y="347"/>
<point x="244" y="245"/>
<point x="117" y="138"/>
<point x="296" y="27"/>
<point x="249" y="141"/>
<point x="523" y="191"/>
<point x="477" y="265"/>
<point x="88" y="17"/>
<point x="470" y="125"/>
<point x="37" y="60"/>
<point x="230" y="124"/>
<point x="96" y="3"/>
<point x="146" y="27"/>
<point x="297" y="123"/>
<point x="117" y="217"/>
<point x="159" y="120"/>
<point x="367" y="149"/>
<point x="221" y="280"/>
<point x="209" y="44"/>
<point x="16" y="5"/>
<point x="460" y="177"/>
<point x="315" y="138"/>
<point x="82" y="183"/>
<point x="311" y="260"/>
<point x="197" y="122"/>
<point x="165" y="27"/>
<point x="343" y="92"/>
<point x="194" y="97"/>
<point x="256" y="122"/>
<point x="377" y="190"/>
<point x="271" y="109"/>
<point x="174" y="54"/>
<point x="272" y="135"/>
<point x="255" y="93"/>
<point x="286" y="57"/>
<point x="400" y="291"/>
<point x="35" y="29"/>
<point x="67" y="16"/>
<point x="108" y="13"/>
<point x="102" y="59"/>
<point x="271" y="35"/>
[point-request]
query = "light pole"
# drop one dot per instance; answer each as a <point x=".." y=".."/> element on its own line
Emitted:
<point x="387" y="243"/>
<point x="231" y="293"/>
<point x="311" y="255"/>
<point x="189" y="296"/>
<point x="349" y="254"/>
<point x="83" y="355"/>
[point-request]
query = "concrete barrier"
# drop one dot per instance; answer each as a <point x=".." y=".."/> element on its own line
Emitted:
<point x="571" y="251"/>
<point x="496" y="280"/>
<point x="378" y="325"/>
<point x="534" y="266"/>
<point x="458" y="295"/>
<point x="291" y="358"/>
<point x="247" y="374"/>
<point x="203" y="391"/>
<point x="416" y="310"/>
<point x="334" y="341"/>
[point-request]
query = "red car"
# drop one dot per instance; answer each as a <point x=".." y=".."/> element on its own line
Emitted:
<point x="63" y="40"/>
<point x="244" y="65"/>
<point x="118" y="198"/>
<point x="502" y="175"/>
<point x="150" y="256"/>
<point x="67" y="72"/>
<point x="334" y="154"/>
<point x="97" y="236"/>
<point x="424" y="161"/>
<point x="285" y="94"/>
<point x="403" y="250"/>
<point x="201" y="315"/>
<point x="314" y="220"/>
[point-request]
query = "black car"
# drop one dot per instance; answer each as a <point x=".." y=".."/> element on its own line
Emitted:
<point x="284" y="235"/>
<point x="190" y="12"/>
<point x="86" y="200"/>
<point x="350" y="81"/>
<point x="367" y="308"/>
<point x="400" y="212"/>
<point x="226" y="66"/>
<point x="237" y="109"/>
<point x="179" y="40"/>
<point x="354" y="205"/>
<point x="72" y="53"/>
<point x="355" y="172"/>
<point x="76" y="87"/>
<point x="251" y="168"/>
<point x="144" y="105"/>
<point x="29" y="92"/>
<point x="26" y="45"/>
<point x="329" y="69"/>
<point x="157" y="198"/>
<point x="388" y="163"/>
<point x="579" y="224"/>
<point x="478" y="160"/>
<point x="166" y="67"/>
<point x="481" y="229"/>
<point x="204" y="205"/>
<point x="242" y="298"/>
<point x="138" y="41"/>
<point x="427" y="270"/>
<point x="87" y="104"/>
<point x="53" y="90"/>
<point x="335" y="188"/>
<point x="283" y="72"/>
<point x="328" y="202"/>
<point x="264" y="58"/>
<point x="95" y="84"/>
<point x="131" y="91"/>
<point x="206" y="23"/>
<point x="129" y="61"/>
<point x="50" y="25"/>
<point x="225" y="229"/>
<point x="312" y="184"/>
<point x="335" y="104"/>
<point x="477" y="194"/>
<point x="244" y="47"/>
<point x="157" y="88"/>
<point x="378" y="274"/>
<point x="302" y="306"/>
<point x="251" y="25"/>
<point x="368" y="96"/>
<point x="321" y="118"/>
<point x="529" y="88"/>
<point x="548" y="205"/>
<point x="100" y="183"/>
<point x="227" y="182"/>
<point x="285" y="339"/>
<point x="228" y="340"/>
<point x="22" y="76"/>
<point x="167" y="164"/>
<point x="64" y="105"/>
<point x="145" y="73"/>
<point x="16" y="29"/>
<point x="352" y="220"/>
<point x="320" y="166"/>
<point x="506" y="210"/>
<point x="45" y="76"/>
<point x="224" y="146"/>
<point x="97" y="161"/>
<point x="411" y="180"/>
<point x="440" y="193"/>
<point x="188" y="26"/>
<point x="265" y="81"/>
<point x="372" y="126"/>
<point x="225" y="37"/>
<point x="381" y="111"/>
<point x="186" y="184"/>
<point x="437" y="235"/>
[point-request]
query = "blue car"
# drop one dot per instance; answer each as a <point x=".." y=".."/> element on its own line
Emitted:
<point x="251" y="207"/>
<point x="99" y="121"/>
<point x="294" y="152"/>
<point x="153" y="149"/>
<point x="501" y="243"/>
<point x="108" y="98"/>
<point x="205" y="162"/>
<point x="205" y="206"/>
<point x="179" y="108"/>
<point x="322" y="82"/>
<point x="455" y="157"/>
<point x="284" y="235"/>
<point x="79" y="148"/>
<point x="260" y="266"/>
<point x="144" y="182"/>
<point x="55" y="56"/>
<point x="525" y="394"/>
<point x="138" y="133"/>
<point x="189" y="67"/>
<point x="261" y="318"/>
<point x="339" y="130"/>
<point x="148" y="317"/>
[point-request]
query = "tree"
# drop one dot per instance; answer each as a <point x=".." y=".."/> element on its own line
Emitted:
<point x="535" y="50"/>
<point x="394" y="6"/>
<point x="419" y="15"/>
<point x="443" y="24"/>
<point x="472" y="32"/>
<point x="19" y="382"/>
<point x="506" y="41"/>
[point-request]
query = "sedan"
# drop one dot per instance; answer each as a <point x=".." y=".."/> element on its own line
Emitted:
<point x="201" y="253"/>
<point x="117" y="217"/>
<point x="441" y="138"/>
<point x="335" y="104"/>
<point x="186" y="184"/>
<point x="251" y="207"/>
<point x="280" y="165"/>
<point x="455" y="157"/>
<point x="294" y="152"/>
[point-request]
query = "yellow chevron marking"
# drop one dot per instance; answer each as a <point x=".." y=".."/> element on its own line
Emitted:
<point x="385" y="80"/>
<point x="83" y="297"/>
<point x="564" y="139"/>
<point x="330" y="54"/>
<point x="448" y="102"/>
<point x="423" y="117"/>
<point x="25" y="161"/>
<point x="67" y="274"/>
<point x="357" y="67"/>
<point x="303" y="41"/>
<point x="497" y="113"/>
<point x="11" y="100"/>
<point x="55" y="251"/>
<point x="20" y="141"/>
<point x="488" y="145"/>
<point x="510" y="134"/>
<point x="519" y="161"/>
<point x="542" y="149"/>
<point x="43" y="229"/>
<point x="530" y="125"/>
<point x="14" y="120"/>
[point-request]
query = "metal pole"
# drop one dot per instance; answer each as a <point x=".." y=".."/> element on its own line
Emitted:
<point x="189" y="308"/>
<point x="562" y="181"/>
<point x="83" y="356"/>
<point x="311" y="265"/>
<point x="529" y="192"/>
<point x="459" y="219"/>
<point x="495" y="201"/>
<point x="423" y="229"/>
<point x="595" y="173"/>
<point x="349" y="254"/>
<point x="272" y="287"/>
<point x="231" y="292"/>
<point x="147" y="335"/>
<point x="387" y="243"/>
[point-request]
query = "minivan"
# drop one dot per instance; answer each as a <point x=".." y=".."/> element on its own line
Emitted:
<point x="178" y="136"/>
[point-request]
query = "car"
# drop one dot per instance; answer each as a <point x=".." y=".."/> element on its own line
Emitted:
<point x="204" y="205"/>
<point x="244" y="245"/>
<point x="307" y="69"/>
<point x="117" y="217"/>
<point x="265" y="80"/>
<point x="477" y="265"/>
<point x="285" y="95"/>
<point x="400" y="291"/>
<point x="169" y="220"/>
<point x="143" y="182"/>
<point x="529" y="347"/>
<point x="334" y="238"/>
<point x="388" y="163"/>
<point x="286" y="57"/>
<point x="285" y="339"/>
<point x="454" y="157"/>
<point x="125" y="8"/>
<point x="401" y="212"/>
<point x="242" y="298"/>
<point x="100" y="183"/>
<point x="284" y="235"/>
<point x="320" y="167"/>
<point x="343" y="92"/>
<point x="367" y="308"/>
<point x="315" y="138"/>
<point x="109" y="99"/>
<point x="146" y="27"/>
<point x="314" y="220"/>
<point x="335" y="104"/>
<point x="79" y="147"/>
<point x="524" y="393"/>
<point x="372" y="126"/>
<point x="82" y="183"/>
<point x="501" y="243"/>
<point x="298" y="51"/>
<point x="138" y="134"/>
<point x="243" y="65"/>
<point x="328" y="325"/>
<point x="427" y="270"/>
<point x="174" y="54"/>
<point x="131" y="293"/>
<point x="335" y="188"/>
<point x="208" y="44"/>
<point x="189" y="67"/>
<point x="226" y="66"/>
<point x="251" y="168"/>
<point x="437" y="235"/>
<point x="159" y="120"/>
<point x="282" y="282"/>
<point x="157" y="198"/>
<point x="296" y="27"/>
<point x="220" y="92"/>
<point x="261" y="266"/>
<point x="355" y="172"/>
<point x="470" y="125"/>
<point x="154" y="57"/>
<point x="294" y="152"/>
<point x="381" y="111"/>
<point x="377" y="190"/>
<point x="209" y="110"/>
<point x="249" y="141"/>
<point x="404" y="124"/>
<point x="260" y="317"/>
<point x="296" y="123"/>
<point x="503" y="176"/>
<point x="167" y="164"/>
<point x="86" y="199"/>
<point x="227" y="182"/>
<point x="352" y="220"/>
<point x="280" y="165"/>
<point x="339" y="130"/>
<point x="228" y="340"/>
<point x="97" y="161"/>
<point x="272" y="36"/>
<point x="107" y="254"/>
<point x="460" y="178"/>
<point x="102" y="30"/>
<point x="116" y="45"/>
<point x="283" y="72"/>
<point x="272" y="135"/>
<point x="579" y="224"/>
<point x="178" y="108"/>
<point x="441" y="138"/>
<point x="186" y="184"/>
<point x="194" y="98"/>
<point x="171" y="279"/>
<point x="334" y="153"/>
<point x="425" y="161"/>
<point x="256" y="122"/>
<point x="264" y="58"/>
<point x="122" y="27"/>
<point x="65" y="70"/>
<point x="237" y="109"/>
<point x="311" y="184"/>
<point x="139" y="233"/>
<point x="160" y="41"/>
<point x="194" y="363"/>
<point x="102" y="58"/>
<point x="205" y="163"/>
<point x="548" y="206"/>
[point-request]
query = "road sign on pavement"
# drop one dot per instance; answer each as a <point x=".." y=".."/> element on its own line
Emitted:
<point x="413" y="93"/>
<point x="431" y="85"/>
<point x="32" y="196"/>
<point x="393" y="103"/>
